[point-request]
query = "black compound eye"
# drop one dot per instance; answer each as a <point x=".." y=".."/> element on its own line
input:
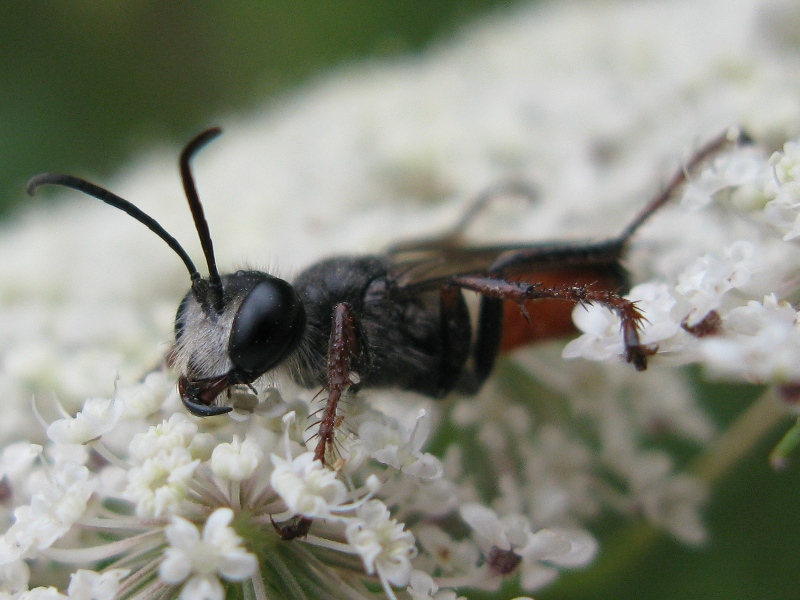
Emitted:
<point x="268" y="325"/>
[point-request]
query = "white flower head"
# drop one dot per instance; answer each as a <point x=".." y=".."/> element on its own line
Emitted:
<point x="236" y="460"/>
<point x="703" y="283"/>
<point x="198" y="561"/>
<point x="601" y="339"/>
<point x="176" y="432"/>
<point x="384" y="545"/>
<point x="97" y="417"/>
<point x="145" y="398"/>
<point x="14" y="577"/>
<point x="307" y="486"/>
<point x="90" y="585"/>
<point x="390" y="444"/>
<point x="509" y="544"/>
<point x="547" y="551"/>
<point x="54" y="507"/>
<point x="268" y="404"/>
<point x="423" y="587"/>
<point x="448" y="555"/>
<point x="397" y="153"/>
<point x="161" y="483"/>
<point x="761" y="343"/>
<point x="491" y="531"/>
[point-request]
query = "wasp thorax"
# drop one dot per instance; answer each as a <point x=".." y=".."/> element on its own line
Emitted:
<point x="260" y="321"/>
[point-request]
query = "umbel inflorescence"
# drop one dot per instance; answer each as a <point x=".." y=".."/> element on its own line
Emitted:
<point x="112" y="490"/>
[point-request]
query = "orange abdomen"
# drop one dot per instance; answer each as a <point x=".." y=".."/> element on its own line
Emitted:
<point x="550" y="318"/>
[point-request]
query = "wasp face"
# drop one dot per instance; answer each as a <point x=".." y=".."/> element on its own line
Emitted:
<point x="261" y="319"/>
<point x="228" y="330"/>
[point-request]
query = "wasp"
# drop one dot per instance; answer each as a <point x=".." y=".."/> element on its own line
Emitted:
<point x="398" y="319"/>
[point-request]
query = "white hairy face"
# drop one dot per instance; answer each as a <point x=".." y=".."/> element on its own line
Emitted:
<point x="202" y="347"/>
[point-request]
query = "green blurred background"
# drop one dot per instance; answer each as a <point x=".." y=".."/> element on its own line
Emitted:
<point x="87" y="83"/>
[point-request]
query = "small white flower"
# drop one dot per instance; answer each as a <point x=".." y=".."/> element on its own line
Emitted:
<point x="16" y="460"/>
<point x="307" y="486"/>
<point x="43" y="593"/>
<point x="145" y="398"/>
<point x="268" y="404"/>
<point x="176" y="432"/>
<point x="17" y="463"/>
<point x="510" y="542"/>
<point x="423" y="587"/>
<point x="161" y="483"/>
<point x="60" y="501"/>
<point x="14" y="577"/>
<point x="761" y="343"/>
<point x="602" y="339"/>
<point x="90" y="585"/>
<point x="401" y="449"/>
<point x="703" y="283"/>
<point x="544" y="545"/>
<point x="200" y="561"/>
<point x="783" y="210"/>
<point x="384" y="545"/>
<point x="237" y="460"/>
<point x="97" y="417"/>
<point x="490" y="531"/>
<point x="448" y="555"/>
<point x="548" y="549"/>
<point x="668" y="500"/>
<point x="786" y="164"/>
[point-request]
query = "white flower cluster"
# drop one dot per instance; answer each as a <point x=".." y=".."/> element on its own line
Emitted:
<point x="184" y="508"/>
<point x="725" y="309"/>
<point x="124" y="495"/>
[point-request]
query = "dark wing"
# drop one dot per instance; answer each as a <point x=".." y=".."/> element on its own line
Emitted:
<point x="428" y="264"/>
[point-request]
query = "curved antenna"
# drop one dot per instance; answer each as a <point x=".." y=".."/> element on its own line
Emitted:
<point x="112" y="199"/>
<point x="200" y="223"/>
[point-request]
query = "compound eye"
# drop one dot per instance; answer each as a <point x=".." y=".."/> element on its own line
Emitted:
<point x="268" y="325"/>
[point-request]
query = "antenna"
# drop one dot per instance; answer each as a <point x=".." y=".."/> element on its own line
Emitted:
<point x="196" y="207"/>
<point x="112" y="199"/>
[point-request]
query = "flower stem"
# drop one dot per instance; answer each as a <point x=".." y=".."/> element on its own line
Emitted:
<point x="752" y="425"/>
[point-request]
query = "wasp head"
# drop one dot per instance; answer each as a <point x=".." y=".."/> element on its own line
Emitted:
<point x="229" y="329"/>
<point x="260" y="322"/>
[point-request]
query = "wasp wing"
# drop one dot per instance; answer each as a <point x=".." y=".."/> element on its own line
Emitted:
<point x="431" y="263"/>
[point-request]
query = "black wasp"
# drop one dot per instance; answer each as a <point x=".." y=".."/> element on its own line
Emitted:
<point x="397" y="319"/>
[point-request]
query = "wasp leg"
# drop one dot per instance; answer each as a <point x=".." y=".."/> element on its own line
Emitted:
<point x="510" y="187"/>
<point x="452" y="236"/>
<point x="731" y="137"/>
<point x="455" y="332"/>
<point x="606" y="255"/>
<point x="520" y="292"/>
<point x="474" y="371"/>
<point x="342" y="351"/>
